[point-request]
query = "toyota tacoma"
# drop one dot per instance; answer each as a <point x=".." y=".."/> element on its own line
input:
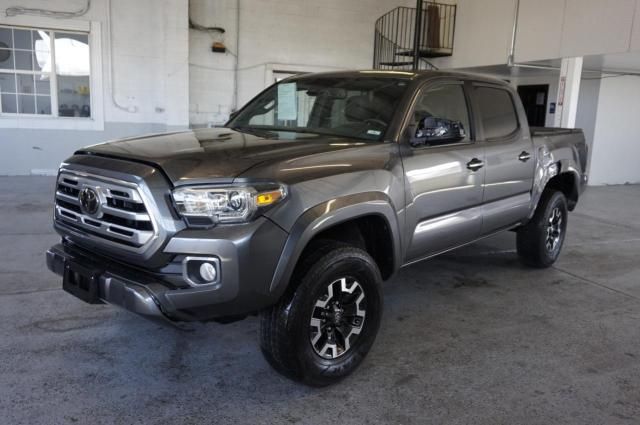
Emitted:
<point x="313" y="194"/>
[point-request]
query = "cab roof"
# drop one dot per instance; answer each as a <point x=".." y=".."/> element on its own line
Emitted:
<point x="409" y="75"/>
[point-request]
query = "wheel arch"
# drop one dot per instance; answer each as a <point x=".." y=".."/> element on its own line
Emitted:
<point x="337" y="218"/>
<point x="558" y="174"/>
<point x="567" y="182"/>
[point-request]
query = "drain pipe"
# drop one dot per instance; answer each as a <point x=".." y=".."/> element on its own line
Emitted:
<point x="19" y="10"/>
<point x="112" y="78"/>
<point x="514" y="33"/>
<point x="234" y="105"/>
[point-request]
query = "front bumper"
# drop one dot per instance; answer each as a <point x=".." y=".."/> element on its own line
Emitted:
<point x="248" y="256"/>
<point x="112" y="288"/>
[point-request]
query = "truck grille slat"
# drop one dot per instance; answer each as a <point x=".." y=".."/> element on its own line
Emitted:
<point x="66" y="190"/>
<point x="68" y="198"/>
<point x="126" y="215"/>
<point x="125" y="205"/>
<point x="113" y="212"/>
<point x="70" y="182"/>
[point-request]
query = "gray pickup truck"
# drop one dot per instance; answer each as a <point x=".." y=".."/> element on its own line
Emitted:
<point x="314" y="193"/>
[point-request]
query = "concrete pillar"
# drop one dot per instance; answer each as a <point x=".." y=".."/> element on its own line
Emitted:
<point x="568" y="92"/>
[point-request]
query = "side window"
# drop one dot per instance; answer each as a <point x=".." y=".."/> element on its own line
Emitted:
<point x="441" y="116"/>
<point x="497" y="112"/>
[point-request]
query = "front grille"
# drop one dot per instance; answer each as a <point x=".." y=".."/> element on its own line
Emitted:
<point x="121" y="219"/>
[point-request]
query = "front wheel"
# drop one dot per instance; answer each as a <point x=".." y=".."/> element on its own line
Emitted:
<point x="320" y="332"/>
<point x="539" y="242"/>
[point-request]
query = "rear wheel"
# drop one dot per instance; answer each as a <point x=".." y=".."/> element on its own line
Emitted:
<point x="540" y="241"/>
<point x="321" y="331"/>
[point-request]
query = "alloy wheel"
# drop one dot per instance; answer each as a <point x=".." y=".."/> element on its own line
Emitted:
<point x="554" y="230"/>
<point x="337" y="318"/>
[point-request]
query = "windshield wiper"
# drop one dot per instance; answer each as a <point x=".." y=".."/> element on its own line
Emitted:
<point x="307" y="131"/>
<point x="296" y="130"/>
<point x="260" y="132"/>
<point x="323" y="133"/>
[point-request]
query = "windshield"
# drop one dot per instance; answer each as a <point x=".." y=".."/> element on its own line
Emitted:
<point x="357" y="107"/>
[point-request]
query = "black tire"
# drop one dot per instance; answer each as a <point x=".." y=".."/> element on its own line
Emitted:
<point x="539" y="242"/>
<point x="287" y="329"/>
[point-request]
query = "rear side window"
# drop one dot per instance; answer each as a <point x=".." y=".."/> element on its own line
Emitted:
<point x="497" y="112"/>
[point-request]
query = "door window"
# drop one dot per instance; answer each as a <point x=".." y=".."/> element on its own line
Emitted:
<point x="441" y="116"/>
<point x="497" y="112"/>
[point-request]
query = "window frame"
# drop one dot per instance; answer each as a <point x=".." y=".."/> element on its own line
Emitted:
<point x="433" y="84"/>
<point x="93" y="30"/>
<point x="514" y="135"/>
<point x="384" y="137"/>
<point x="53" y="75"/>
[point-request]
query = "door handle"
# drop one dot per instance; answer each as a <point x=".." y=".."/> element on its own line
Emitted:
<point x="475" y="164"/>
<point x="524" y="156"/>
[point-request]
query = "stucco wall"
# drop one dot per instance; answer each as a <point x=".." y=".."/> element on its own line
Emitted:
<point x="148" y="90"/>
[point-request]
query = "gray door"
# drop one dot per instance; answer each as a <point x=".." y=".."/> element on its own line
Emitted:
<point x="444" y="172"/>
<point x="508" y="154"/>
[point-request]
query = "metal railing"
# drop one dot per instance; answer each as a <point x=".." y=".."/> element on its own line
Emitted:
<point x="397" y="43"/>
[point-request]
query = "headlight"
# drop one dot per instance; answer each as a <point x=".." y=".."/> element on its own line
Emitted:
<point x="225" y="204"/>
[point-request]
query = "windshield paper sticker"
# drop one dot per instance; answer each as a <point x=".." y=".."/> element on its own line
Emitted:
<point x="287" y="108"/>
<point x="374" y="132"/>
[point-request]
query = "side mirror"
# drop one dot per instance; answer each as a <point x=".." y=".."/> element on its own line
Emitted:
<point x="433" y="130"/>
<point x="233" y="114"/>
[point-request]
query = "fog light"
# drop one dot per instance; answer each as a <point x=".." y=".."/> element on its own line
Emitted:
<point x="198" y="271"/>
<point x="208" y="272"/>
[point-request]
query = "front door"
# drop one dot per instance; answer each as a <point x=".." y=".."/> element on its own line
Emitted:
<point x="444" y="172"/>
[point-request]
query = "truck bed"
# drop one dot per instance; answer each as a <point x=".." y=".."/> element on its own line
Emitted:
<point x="567" y="145"/>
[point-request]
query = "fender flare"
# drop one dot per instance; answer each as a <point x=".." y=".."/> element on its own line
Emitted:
<point x="568" y="166"/>
<point x="547" y="168"/>
<point x="326" y="215"/>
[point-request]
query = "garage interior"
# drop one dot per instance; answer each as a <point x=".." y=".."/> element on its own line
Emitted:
<point x="471" y="336"/>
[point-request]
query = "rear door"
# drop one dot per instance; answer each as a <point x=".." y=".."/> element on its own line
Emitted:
<point x="444" y="171"/>
<point x="509" y="156"/>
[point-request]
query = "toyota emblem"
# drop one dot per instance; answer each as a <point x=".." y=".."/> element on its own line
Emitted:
<point x="89" y="201"/>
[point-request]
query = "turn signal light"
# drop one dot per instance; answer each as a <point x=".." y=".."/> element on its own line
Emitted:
<point x="264" y="199"/>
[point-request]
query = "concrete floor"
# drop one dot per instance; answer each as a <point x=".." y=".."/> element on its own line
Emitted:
<point x="471" y="337"/>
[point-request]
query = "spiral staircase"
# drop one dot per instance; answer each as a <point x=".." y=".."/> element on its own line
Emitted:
<point x="407" y="38"/>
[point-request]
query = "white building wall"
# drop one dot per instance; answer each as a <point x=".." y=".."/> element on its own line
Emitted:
<point x="588" y="110"/>
<point x="547" y="29"/>
<point x="617" y="131"/>
<point x="482" y="34"/>
<point x="568" y="28"/>
<point x="150" y="75"/>
<point x="594" y="26"/>
<point x="276" y="35"/>
<point x="165" y="75"/>
<point x="211" y="75"/>
<point x="553" y="29"/>
<point x="539" y="29"/>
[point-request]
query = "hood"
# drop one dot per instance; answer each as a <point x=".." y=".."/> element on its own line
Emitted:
<point x="219" y="154"/>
